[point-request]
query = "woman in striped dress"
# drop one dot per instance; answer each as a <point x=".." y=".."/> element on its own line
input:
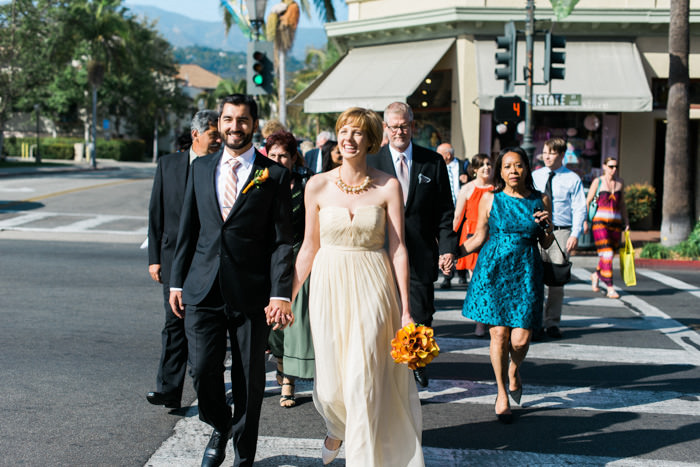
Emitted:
<point x="608" y="222"/>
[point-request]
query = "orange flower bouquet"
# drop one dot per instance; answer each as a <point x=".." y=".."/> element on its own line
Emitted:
<point x="415" y="345"/>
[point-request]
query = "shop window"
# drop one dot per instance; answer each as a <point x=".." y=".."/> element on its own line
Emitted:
<point x="431" y="105"/>
<point x="659" y="92"/>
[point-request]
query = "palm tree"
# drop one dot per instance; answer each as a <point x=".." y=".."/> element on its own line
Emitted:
<point x="102" y="25"/>
<point x="677" y="199"/>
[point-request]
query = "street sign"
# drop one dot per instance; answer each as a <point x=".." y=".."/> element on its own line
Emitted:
<point x="558" y="100"/>
<point x="508" y="109"/>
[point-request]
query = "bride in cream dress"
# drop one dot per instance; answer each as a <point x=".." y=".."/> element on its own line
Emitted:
<point x="358" y="300"/>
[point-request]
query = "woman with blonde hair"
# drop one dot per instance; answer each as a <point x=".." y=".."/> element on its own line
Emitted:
<point x="358" y="299"/>
<point x="607" y="222"/>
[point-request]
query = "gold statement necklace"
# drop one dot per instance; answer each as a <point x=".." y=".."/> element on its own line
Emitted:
<point x="353" y="189"/>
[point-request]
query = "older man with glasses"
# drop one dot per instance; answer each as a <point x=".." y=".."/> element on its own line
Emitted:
<point x="429" y="210"/>
<point x="565" y="191"/>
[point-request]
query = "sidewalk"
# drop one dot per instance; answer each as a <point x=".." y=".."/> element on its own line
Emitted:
<point x="57" y="166"/>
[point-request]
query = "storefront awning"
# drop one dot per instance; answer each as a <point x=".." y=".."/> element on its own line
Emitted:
<point x="374" y="77"/>
<point x="608" y="75"/>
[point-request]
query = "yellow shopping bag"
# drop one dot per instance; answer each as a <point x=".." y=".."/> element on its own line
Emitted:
<point x="627" y="261"/>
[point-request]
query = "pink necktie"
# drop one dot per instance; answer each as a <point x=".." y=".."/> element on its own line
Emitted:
<point x="403" y="176"/>
<point x="230" y="189"/>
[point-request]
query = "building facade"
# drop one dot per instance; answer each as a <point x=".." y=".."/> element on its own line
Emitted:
<point x="439" y="57"/>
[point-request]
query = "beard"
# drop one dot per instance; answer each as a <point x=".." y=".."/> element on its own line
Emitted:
<point x="246" y="138"/>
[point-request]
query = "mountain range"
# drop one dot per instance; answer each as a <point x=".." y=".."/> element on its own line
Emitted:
<point x="182" y="31"/>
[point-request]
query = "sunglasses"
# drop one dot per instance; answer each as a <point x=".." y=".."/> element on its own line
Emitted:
<point x="612" y="167"/>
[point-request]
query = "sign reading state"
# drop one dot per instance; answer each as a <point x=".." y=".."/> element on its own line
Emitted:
<point x="558" y="100"/>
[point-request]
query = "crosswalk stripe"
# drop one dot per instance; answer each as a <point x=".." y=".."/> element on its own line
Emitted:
<point x="579" y="352"/>
<point x="88" y="224"/>
<point x="670" y="281"/>
<point x="301" y="452"/>
<point x="190" y="436"/>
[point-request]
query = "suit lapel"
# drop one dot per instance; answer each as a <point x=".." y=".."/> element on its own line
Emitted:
<point x="416" y="167"/>
<point x="387" y="161"/>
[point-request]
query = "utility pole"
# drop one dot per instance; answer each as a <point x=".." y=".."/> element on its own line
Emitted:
<point x="528" y="145"/>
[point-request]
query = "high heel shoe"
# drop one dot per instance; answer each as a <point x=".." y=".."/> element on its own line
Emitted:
<point x="505" y="418"/>
<point x="518" y="393"/>
<point x="327" y="455"/>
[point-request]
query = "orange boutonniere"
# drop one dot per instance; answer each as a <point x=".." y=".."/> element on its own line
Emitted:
<point x="414" y="345"/>
<point x="261" y="177"/>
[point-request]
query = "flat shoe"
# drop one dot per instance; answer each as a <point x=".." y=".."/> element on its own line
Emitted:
<point x="594" y="282"/>
<point x="612" y="294"/>
<point x="327" y="455"/>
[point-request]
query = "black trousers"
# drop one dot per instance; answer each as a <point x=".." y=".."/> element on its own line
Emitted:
<point x="422" y="302"/>
<point x="207" y="325"/>
<point x="173" y="357"/>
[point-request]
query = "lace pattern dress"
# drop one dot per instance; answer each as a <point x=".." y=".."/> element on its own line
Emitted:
<point x="365" y="398"/>
<point x="506" y="288"/>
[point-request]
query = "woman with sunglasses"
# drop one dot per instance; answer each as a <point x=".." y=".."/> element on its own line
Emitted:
<point x="608" y="220"/>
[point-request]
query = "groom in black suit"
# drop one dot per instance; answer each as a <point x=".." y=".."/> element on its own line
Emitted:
<point x="429" y="210"/>
<point x="163" y="221"/>
<point x="233" y="258"/>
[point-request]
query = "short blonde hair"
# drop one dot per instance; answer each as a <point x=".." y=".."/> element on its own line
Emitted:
<point x="368" y="121"/>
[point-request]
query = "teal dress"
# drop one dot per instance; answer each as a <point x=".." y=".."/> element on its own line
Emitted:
<point x="506" y="288"/>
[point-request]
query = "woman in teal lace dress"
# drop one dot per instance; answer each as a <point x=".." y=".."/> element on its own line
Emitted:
<point x="506" y="290"/>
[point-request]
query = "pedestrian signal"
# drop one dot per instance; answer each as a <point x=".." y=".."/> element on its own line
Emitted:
<point x="508" y="109"/>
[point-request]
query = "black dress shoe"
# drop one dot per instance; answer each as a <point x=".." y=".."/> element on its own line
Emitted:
<point x="170" y="400"/>
<point x="554" y="332"/>
<point x="445" y="285"/>
<point x="215" y="453"/>
<point x="421" y="377"/>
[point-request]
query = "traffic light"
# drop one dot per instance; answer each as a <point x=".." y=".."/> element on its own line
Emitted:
<point x="508" y="42"/>
<point x="508" y="109"/>
<point x="553" y="58"/>
<point x="259" y="76"/>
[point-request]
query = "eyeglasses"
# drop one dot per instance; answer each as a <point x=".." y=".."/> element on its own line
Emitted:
<point x="396" y="129"/>
<point x="612" y="167"/>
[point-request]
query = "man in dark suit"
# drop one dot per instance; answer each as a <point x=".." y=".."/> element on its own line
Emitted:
<point x="429" y="210"/>
<point x="163" y="221"/>
<point x="233" y="258"/>
<point x="312" y="157"/>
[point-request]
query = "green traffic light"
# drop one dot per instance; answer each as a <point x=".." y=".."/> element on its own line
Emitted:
<point x="258" y="80"/>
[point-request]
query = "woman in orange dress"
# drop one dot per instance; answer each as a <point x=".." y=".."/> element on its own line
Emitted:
<point x="467" y="211"/>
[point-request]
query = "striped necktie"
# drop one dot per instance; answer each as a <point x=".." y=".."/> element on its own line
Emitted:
<point x="230" y="188"/>
<point x="403" y="176"/>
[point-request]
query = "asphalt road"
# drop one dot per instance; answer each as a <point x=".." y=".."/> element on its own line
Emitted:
<point x="80" y="340"/>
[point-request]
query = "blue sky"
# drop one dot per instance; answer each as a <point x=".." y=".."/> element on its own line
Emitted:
<point x="210" y="10"/>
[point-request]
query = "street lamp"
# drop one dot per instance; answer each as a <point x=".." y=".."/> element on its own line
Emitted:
<point x="256" y="14"/>
<point x="37" y="155"/>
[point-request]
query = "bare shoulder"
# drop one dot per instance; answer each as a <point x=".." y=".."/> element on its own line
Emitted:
<point x="380" y="178"/>
<point x="319" y="182"/>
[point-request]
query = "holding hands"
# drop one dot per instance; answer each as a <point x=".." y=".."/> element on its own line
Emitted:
<point x="279" y="313"/>
<point x="446" y="262"/>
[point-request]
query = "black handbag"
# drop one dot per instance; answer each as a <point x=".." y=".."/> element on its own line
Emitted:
<point x="557" y="275"/>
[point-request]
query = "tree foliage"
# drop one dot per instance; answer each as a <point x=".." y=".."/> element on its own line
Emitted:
<point x="52" y="51"/>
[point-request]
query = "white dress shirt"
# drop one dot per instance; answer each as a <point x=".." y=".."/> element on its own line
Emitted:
<point x="569" y="204"/>
<point x="453" y="177"/>
<point x="396" y="158"/>
<point x="242" y="173"/>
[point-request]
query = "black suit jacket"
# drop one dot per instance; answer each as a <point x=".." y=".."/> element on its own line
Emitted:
<point x="429" y="210"/>
<point x="250" y="253"/>
<point x="164" y="210"/>
<point x="311" y="158"/>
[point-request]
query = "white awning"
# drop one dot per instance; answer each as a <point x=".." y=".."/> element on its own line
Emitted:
<point x="608" y="75"/>
<point x="374" y="77"/>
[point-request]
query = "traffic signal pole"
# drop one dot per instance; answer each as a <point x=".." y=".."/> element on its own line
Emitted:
<point x="528" y="146"/>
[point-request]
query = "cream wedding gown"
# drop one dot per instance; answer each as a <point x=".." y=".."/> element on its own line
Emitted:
<point x="366" y="399"/>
